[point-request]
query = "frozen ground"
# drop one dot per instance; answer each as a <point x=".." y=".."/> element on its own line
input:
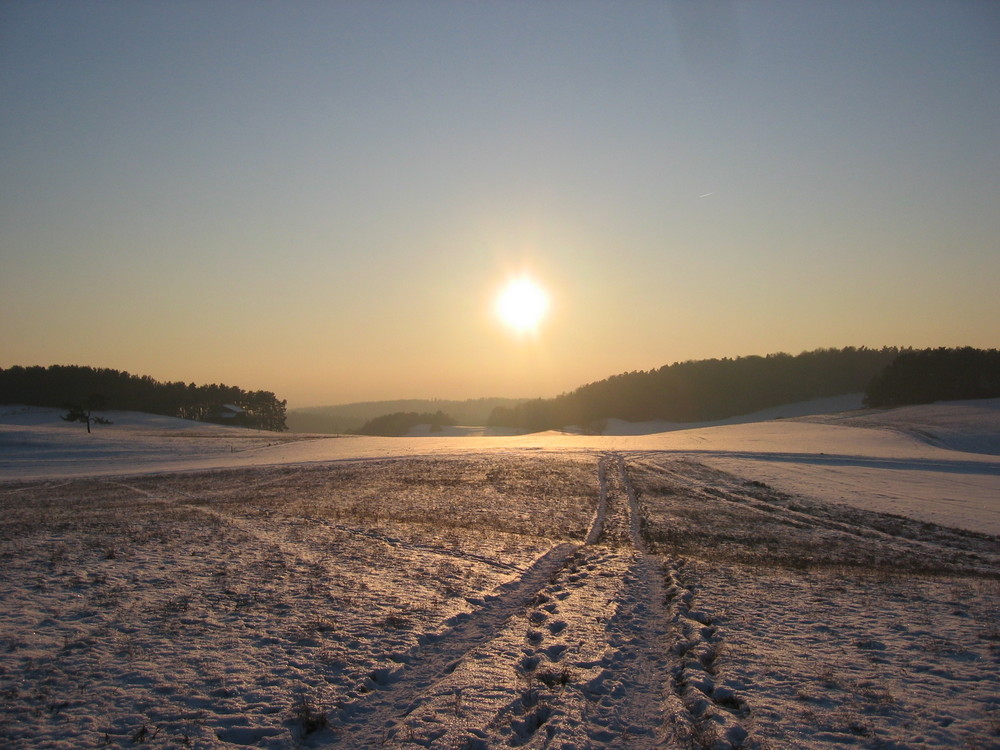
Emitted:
<point x="939" y="463"/>
<point x="772" y="584"/>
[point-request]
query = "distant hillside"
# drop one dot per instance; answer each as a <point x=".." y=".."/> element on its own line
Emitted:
<point x="401" y="422"/>
<point x="928" y="375"/>
<point x="345" y="418"/>
<point x="704" y="390"/>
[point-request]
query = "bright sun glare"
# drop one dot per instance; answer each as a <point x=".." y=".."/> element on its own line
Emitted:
<point x="521" y="305"/>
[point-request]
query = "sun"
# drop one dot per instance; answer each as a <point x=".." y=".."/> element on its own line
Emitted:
<point x="521" y="305"/>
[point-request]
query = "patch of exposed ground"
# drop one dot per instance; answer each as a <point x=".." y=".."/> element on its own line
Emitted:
<point x="692" y="509"/>
<point x="223" y="608"/>
<point x="584" y="662"/>
<point x="826" y="626"/>
<point x="488" y="601"/>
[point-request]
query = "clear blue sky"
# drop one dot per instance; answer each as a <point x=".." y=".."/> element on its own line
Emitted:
<point x="322" y="198"/>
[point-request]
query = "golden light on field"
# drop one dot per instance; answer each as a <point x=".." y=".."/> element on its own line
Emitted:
<point x="521" y="305"/>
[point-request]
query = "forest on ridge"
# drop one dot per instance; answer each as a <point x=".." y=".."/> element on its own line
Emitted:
<point x="66" y="386"/>
<point x="691" y="391"/>
<point x="712" y="389"/>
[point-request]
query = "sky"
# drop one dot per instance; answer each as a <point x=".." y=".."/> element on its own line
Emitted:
<point x="323" y="199"/>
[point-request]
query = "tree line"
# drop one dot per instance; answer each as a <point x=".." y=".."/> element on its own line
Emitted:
<point x="704" y="390"/>
<point x="74" y="386"/>
<point x="713" y="389"/>
<point x="347" y="418"/>
<point x="928" y="375"/>
<point x="401" y="422"/>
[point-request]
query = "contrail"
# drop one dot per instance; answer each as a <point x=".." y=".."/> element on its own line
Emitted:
<point x="706" y="195"/>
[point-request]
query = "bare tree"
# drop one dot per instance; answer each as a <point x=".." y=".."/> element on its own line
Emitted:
<point x="85" y="414"/>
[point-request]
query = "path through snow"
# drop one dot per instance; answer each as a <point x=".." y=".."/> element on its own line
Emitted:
<point x="575" y="653"/>
<point x="484" y="601"/>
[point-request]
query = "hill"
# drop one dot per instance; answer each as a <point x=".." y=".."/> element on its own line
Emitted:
<point x="928" y="375"/>
<point x="347" y="418"/>
<point x="100" y="389"/>
<point x="704" y="390"/>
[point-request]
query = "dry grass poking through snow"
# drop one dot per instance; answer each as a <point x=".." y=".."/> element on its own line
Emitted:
<point x="837" y="627"/>
<point x="695" y="510"/>
<point x="237" y="607"/>
<point x="492" y="600"/>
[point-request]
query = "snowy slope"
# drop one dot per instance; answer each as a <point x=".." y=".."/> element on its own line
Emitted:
<point x="174" y="584"/>
<point x="938" y="463"/>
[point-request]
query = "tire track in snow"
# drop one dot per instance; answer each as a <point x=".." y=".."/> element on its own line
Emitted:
<point x="425" y="685"/>
<point x="584" y="662"/>
<point x="589" y="646"/>
<point x="33" y="487"/>
<point x="286" y="550"/>
<point x="676" y="649"/>
<point x="626" y="702"/>
<point x="700" y="481"/>
<point x="707" y="712"/>
<point x="654" y="684"/>
<point x="413" y="547"/>
<point x="285" y="542"/>
<point x="393" y="694"/>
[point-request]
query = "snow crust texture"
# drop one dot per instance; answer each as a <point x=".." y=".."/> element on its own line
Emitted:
<point x="488" y="599"/>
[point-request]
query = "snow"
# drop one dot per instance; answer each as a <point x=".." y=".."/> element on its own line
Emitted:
<point x="830" y="405"/>
<point x="969" y="426"/>
<point x="812" y="579"/>
<point x="427" y="430"/>
<point x="939" y="463"/>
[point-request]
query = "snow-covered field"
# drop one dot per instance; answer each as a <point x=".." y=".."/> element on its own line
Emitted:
<point x="807" y="582"/>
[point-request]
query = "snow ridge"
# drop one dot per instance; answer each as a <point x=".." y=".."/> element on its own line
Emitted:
<point x="711" y="712"/>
